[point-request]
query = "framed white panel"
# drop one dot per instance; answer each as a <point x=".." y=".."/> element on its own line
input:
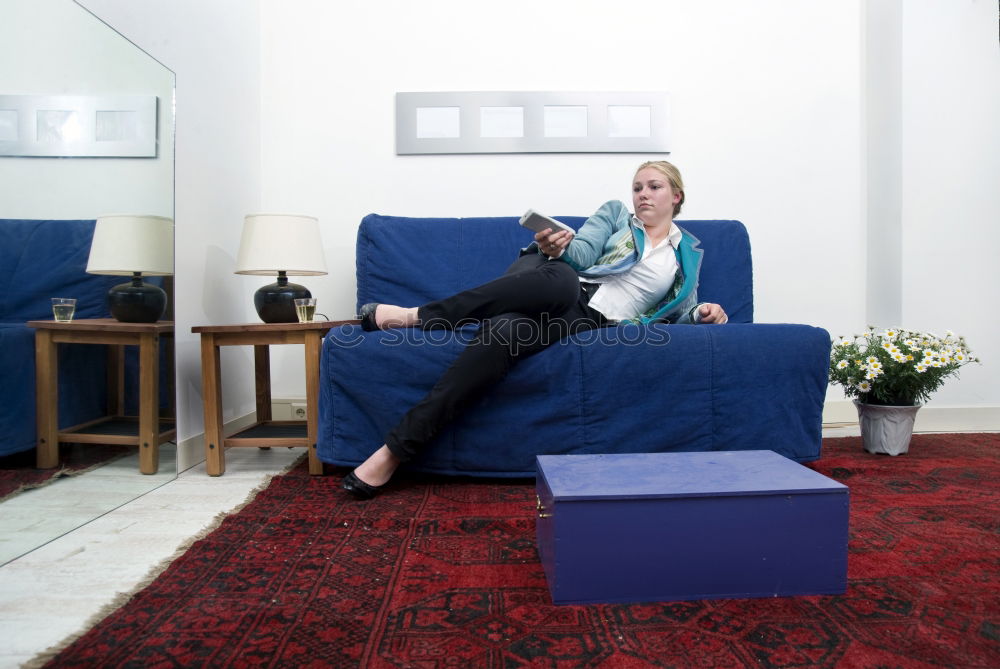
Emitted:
<point x="565" y="121"/>
<point x="629" y="121"/>
<point x="501" y="121"/>
<point x="438" y="122"/>
<point x="78" y="126"/>
<point x="8" y="125"/>
<point x="533" y="122"/>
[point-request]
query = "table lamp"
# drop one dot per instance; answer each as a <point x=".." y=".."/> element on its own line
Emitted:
<point x="282" y="244"/>
<point x="134" y="245"/>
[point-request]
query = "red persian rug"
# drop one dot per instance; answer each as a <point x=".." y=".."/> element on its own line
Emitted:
<point x="18" y="472"/>
<point x="444" y="573"/>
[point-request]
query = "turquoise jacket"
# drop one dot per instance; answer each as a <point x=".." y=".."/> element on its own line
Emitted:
<point x="611" y="242"/>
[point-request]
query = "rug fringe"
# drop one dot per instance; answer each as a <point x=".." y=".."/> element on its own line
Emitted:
<point x="63" y="472"/>
<point x="122" y="598"/>
<point x="33" y="486"/>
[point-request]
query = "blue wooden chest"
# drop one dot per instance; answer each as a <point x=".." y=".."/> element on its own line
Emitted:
<point x="672" y="526"/>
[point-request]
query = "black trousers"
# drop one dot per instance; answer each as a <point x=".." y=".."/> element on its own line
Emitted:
<point x="534" y="304"/>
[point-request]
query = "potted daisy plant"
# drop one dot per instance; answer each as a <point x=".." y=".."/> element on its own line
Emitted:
<point x="890" y="374"/>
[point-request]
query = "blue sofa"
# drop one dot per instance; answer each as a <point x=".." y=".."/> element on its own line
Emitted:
<point x="623" y="389"/>
<point x="39" y="260"/>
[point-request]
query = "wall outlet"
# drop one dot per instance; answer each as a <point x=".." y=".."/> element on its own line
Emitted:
<point x="288" y="409"/>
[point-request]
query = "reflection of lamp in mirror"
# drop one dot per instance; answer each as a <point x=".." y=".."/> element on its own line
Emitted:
<point x="128" y="245"/>
<point x="286" y="245"/>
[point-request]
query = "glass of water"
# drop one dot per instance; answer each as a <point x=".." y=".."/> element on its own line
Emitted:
<point x="305" y="309"/>
<point x="63" y="308"/>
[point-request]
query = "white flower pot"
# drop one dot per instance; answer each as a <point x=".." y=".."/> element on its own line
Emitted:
<point x="886" y="429"/>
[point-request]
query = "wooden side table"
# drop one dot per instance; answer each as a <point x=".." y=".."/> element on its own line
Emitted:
<point x="147" y="430"/>
<point x="264" y="432"/>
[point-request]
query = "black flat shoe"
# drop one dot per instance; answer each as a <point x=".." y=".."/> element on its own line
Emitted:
<point x="367" y="316"/>
<point x="358" y="488"/>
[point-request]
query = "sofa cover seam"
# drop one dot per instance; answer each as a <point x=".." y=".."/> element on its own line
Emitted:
<point x="712" y="387"/>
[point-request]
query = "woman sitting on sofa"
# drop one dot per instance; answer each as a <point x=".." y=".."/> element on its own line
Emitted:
<point x="618" y="266"/>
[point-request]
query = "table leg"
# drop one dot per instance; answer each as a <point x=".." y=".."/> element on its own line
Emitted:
<point x="262" y="381"/>
<point x="312" y="346"/>
<point x="149" y="403"/>
<point x="46" y="400"/>
<point x="211" y="391"/>
<point x="171" y="369"/>
<point x="116" y="380"/>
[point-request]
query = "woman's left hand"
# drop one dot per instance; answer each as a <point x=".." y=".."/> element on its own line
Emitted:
<point x="711" y="313"/>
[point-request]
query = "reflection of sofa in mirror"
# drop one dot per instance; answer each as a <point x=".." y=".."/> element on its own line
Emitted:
<point x="40" y="260"/>
<point x="628" y="388"/>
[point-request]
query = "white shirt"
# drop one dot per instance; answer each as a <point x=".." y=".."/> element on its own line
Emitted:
<point x="631" y="293"/>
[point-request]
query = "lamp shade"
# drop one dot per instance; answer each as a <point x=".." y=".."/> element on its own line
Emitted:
<point x="281" y="244"/>
<point x="131" y="245"/>
<point x="273" y="243"/>
<point x="124" y="244"/>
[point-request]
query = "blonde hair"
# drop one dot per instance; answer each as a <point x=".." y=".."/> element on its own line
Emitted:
<point x="672" y="174"/>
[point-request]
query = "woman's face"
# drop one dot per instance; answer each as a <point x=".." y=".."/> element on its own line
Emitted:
<point x="653" y="198"/>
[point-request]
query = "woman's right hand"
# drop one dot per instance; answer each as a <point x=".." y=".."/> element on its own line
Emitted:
<point x="553" y="242"/>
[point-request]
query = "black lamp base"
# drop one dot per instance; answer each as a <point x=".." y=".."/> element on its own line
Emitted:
<point x="275" y="301"/>
<point x="137" y="302"/>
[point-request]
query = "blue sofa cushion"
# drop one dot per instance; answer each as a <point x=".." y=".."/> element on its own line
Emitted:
<point x="424" y="259"/>
<point x="625" y="389"/>
<point x="41" y="259"/>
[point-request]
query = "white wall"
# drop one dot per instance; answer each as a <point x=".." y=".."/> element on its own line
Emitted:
<point x="53" y="47"/>
<point x="766" y="119"/>
<point x="882" y="133"/>
<point x="213" y="47"/>
<point x="932" y="94"/>
<point x="951" y="183"/>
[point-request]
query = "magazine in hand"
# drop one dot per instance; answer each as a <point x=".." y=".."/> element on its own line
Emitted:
<point x="540" y="222"/>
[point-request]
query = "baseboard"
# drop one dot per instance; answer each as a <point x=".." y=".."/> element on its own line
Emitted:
<point x="929" y="419"/>
<point x="191" y="451"/>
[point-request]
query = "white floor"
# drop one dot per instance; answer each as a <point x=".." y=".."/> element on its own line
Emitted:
<point x="55" y="591"/>
<point x="37" y="516"/>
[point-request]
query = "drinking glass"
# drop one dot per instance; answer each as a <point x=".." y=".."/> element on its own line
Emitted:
<point x="305" y="309"/>
<point x="63" y="308"/>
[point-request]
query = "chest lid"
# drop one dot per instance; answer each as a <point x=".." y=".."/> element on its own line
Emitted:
<point x="665" y="475"/>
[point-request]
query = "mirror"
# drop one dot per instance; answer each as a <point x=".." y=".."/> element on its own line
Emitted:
<point x="60" y="49"/>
